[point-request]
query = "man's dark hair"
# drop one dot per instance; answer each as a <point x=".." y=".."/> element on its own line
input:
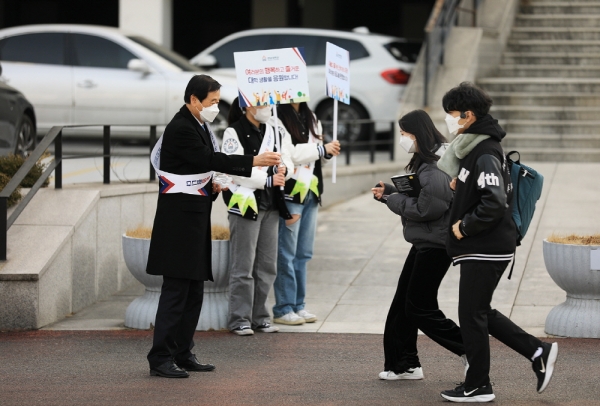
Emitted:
<point x="200" y="86"/>
<point x="465" y="97"/>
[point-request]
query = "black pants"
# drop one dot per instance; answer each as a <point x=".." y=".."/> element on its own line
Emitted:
<point x="478" y="280"/>
<point x="176" y="320"/>
<point x="414" y="307"/>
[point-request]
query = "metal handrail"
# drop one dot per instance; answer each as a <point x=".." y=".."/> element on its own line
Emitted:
<point x="55" y="135"/>
<point x="441" y="20"/>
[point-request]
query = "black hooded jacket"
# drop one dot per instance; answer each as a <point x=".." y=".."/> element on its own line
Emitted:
<point x="482" y="200"/>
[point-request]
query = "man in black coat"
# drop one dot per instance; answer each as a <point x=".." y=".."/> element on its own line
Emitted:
<point x="180" y="248"/>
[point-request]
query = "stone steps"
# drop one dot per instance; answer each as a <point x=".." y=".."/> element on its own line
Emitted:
<point x="545" y="99"/>
<point x="556" y="154"/>
<point x="557" y="20"/>
<point x="551" y="58"/>
<point x="547" y="92"/>
<point x="565" y="7"/>
<point x="558" y="33"/>
<point x="553" y="45"/>
<point x="563" y="71"/>
<point x="552" y="85"/>
<point x="586" y="127"/>
<point x="516" y="112"/>
<point x="577" y="141"/>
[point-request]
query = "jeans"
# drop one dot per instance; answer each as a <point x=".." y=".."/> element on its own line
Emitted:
<point x="478" y="280"/>
<point x="414" y="307"/>
<point x="253" y="255"/>
<point x="296" y="242"/>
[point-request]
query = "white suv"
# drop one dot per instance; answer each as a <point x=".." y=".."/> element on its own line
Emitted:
<point x="85" y="74"/>
<point x="380" y="68"/>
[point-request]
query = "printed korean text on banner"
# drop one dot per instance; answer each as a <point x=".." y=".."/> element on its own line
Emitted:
<point x="273" y="76"/>
<point x="189" y="184"/>
<point x="337" y="74"/>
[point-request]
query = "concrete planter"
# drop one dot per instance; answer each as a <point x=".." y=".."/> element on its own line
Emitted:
<point x="569" y="266"/>
<point x="141" y="313"/>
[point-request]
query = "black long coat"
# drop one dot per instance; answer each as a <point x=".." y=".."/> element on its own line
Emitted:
<point x="181" y="244"/>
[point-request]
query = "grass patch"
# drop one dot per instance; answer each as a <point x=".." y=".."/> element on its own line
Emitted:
<point x="575" y="239"/>
<point x="218" y="232"/>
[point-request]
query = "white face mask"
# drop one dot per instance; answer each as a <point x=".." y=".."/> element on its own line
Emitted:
<point x="263" y="115"/>
<point x="209" y="113"/>
<point x="407" y="144"/>
<point x="452" y="123"/>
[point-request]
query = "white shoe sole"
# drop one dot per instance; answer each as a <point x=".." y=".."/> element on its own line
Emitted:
<point x="550" y="366"/>
<point x="289" y="323"/>
<point x="416" y="375"/>
<point x="247" y="332"/>
<point x="267" y="330"/>
<point x="310" y="320"/>
<point x="473" y="399"/>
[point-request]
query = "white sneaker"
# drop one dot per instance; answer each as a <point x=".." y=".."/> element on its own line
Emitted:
<point x="307" y="316"/>
<point x="266" y="328"/>
<point x="291" y="319"/>
<point x="409" y="374"/>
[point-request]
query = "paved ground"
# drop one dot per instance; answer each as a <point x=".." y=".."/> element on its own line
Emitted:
<point x="358" y="256"/>
<point x="109" y="368"/>
<point x="360" y="250"/>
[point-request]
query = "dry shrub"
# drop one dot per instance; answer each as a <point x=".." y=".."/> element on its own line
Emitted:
<point x="218" y="232"/>
<point x="575" y="239"/>
<point x="140" y="232"/>
<point x="14" y="196"/>
<point x="10" y="164"/>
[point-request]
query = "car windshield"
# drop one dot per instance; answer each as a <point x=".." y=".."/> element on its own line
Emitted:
<point x="404" y="51"/>
<point x="167" y="54"/>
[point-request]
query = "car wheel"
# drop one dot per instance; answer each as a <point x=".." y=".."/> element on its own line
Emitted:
<point x="25" y="137"/>
<point x="346" y="131"/>
<point x="219" y="124"/>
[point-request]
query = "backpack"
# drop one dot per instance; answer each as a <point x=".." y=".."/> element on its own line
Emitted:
<point x="527" y="189"/>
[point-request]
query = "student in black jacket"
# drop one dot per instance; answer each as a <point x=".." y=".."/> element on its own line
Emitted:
<point x="425" y="219"/>
<point x="482" y="239"/>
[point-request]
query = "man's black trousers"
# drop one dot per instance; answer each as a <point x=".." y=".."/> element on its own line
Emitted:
<point x="176" y="320"/>
<point x="478" y="280"/>
<point x="414" y="307"/>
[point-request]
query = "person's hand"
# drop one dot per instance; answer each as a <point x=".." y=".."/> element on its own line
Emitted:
<point x="282" y="169"/>
<point x="378" y="191"/>
<point x="453" y="184"/>
<point x="333" y="148"/>
<point x="279" y="179"/>
<point x="216" y="188"/>
<point x="456" y="231"/>
<point x="267" y="159"/>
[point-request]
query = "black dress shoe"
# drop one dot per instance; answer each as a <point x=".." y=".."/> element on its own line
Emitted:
<point x="169" y="370"/>
<point x="192" y="364"/>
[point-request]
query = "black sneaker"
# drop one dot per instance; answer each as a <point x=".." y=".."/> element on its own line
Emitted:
<point x="543" y="366"/>
<point x="266" y="328"/>
<point x="462" y="394"/>
<point x="243" y="331"/>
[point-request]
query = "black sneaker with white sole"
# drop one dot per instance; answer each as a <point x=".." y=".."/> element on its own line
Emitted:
<point x="462" y="394"/>
<point x="543" y="366"/>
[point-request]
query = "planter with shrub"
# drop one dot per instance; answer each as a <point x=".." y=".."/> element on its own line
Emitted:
<point x="570" y="261"/>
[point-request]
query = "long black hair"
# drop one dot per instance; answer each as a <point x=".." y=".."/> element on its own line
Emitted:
<point x="235" y="112"/>
<point x="429" y="139"/>
<point x="293" y="121"/>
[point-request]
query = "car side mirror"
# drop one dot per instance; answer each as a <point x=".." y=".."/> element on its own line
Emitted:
<point x="206" y="61"/>
<point x="138" y="65"/>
